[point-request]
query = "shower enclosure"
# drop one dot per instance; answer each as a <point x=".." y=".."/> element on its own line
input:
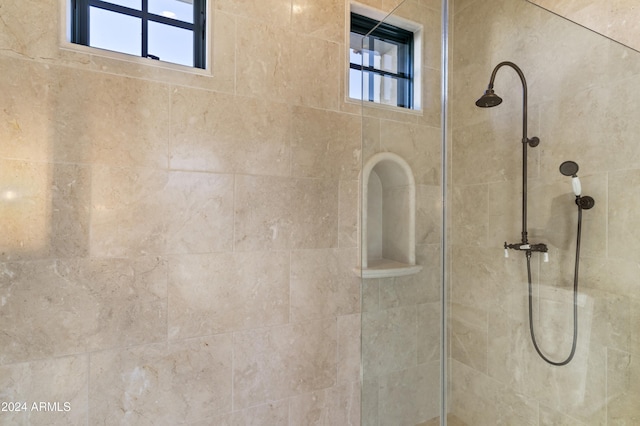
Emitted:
<point x="451" y="344"/>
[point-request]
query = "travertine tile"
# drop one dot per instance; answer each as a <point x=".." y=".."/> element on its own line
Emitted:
<point x="349" y="352"/>
<point x="323" y="283"/>
<point x="271" y="11"/>
<point x="348" y="214"/>
<point x="281" y="362"/>
<point x="308" y="86"/>
<point x="53" y="308"/>
<point x="133" y="129"/>
<point x="128" y="212"/>
<point x="279" y="213"/>
<point x="418" y="145"/>
<point x="624" y="240"/>
<point x="325" y="144"/>
<point x="264" y="61"/>
<point x="389" y="340"/>
<point x="26" y="198"/>
<point x="199" y="212"/>
<point x="323" y="19"/>
<point x="30" y="29"/>
<point x="410" y="396"/>
<point x="180" y="382"/>
<point x="229" y="134"/>
<point x="270" y="414"/>
<point x="216" y="293"/>
<point x="334" y="406"/>
<point x="623" y="389"/>
<point x="59" y="383"/>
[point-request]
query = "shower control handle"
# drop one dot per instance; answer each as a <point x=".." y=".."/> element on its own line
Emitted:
<point x="542" y="248"/>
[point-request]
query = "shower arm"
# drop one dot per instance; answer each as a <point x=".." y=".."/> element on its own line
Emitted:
<point x="532" y="142"/>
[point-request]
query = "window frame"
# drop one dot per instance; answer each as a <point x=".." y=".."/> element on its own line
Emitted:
<point x="372" y="29"/>
<point x="80" y="26"/>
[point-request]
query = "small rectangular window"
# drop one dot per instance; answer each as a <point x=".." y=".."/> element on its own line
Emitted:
<point x="381" y="62"/>
<point x="166" y="30"/>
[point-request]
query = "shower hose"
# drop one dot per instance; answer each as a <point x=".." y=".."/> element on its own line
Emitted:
<point x="575" y="301"/>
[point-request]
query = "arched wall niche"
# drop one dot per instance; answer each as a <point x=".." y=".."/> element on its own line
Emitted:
<point x="388" y="218"/>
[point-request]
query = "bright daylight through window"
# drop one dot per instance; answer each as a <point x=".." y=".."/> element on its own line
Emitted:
<point x="166" y="30"/>
<point x="381" y="63"/>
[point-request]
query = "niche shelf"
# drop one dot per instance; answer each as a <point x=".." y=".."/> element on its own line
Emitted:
<point x="388" y="219"/>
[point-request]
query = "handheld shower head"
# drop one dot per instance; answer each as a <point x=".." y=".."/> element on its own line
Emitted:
<point x="570" y="168"/>
<point x="489" y="99"/>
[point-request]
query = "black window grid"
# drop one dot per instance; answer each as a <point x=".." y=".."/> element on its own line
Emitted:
<point x="372" y="30"/>
<point x="81" y="25"/>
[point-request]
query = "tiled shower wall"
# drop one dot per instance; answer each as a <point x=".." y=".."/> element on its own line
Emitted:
<point x="179" y="248"/>
<point x="583" y="104"/>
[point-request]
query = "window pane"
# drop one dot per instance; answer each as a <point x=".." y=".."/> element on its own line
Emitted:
<point x="171" y="44"/>
<point x="128" y="38"/>
<point x="355" y="84"/>
<point x="388" y="56"/>
<point x="181" y="10"/>
<point x="133" y="4"/>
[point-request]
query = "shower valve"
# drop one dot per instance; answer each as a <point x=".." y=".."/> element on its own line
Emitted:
<point x="526" y="247"/>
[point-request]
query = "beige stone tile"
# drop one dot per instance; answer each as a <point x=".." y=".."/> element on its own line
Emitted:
<point x="325" y="144"/>
<point x="216" y="293"/>
<point x="428" y="214"/>
<point x="128" y="212"/>
<point x="470" y="216"/>
<point x="422" y="287"/>
<point x="30" y="29"/>
<point x="549" y="416"/>
<point x="468" y="343"/>
<point x="480" y="400"/>
<point x="349" y="353"/>
<point x="369" y="401"/>
<point x="371" y="135"/>
<point x="54" y="308"/>
<point x="624" y="237"/>
<point x="314" y="75"/>
<point x="271" y="11"/>
<point x="623" y="389"/>
<point x="584" y="143"/>
<point x="199" y="212"/>
<point x="26" y="207"/>
<point x="279" y="213"/>
<point x="389" y="340"/>
<point x="176" y="383"/>
<point x="271" y="414"/>
<point x="333" y="406"/>
<point x="348" y="214"/>
<point x="418" y="145"/>
<point x="264" y="61"/>
<point x="26" y="121"/>
<point x="323" y="283"/>
<point x="60" y="383"/>
<point x="281" y="362"/>
<point x="323" y="19"/>
<point x="222" y="133"/>
<point x="133" y="128"/>
<point x="410" y="396"/>
<point x="429" y="332"/>
<point x="371" y="293"/>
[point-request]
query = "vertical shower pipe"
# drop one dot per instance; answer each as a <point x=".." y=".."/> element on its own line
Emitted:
<point x="533" y="142"/>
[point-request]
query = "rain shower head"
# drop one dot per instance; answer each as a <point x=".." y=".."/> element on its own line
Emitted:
<point x="489" y="99"/>
<point x="569" y="168"/>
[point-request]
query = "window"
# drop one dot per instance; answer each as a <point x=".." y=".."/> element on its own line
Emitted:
<point x="381" y="63"/>
<point x="166" y="30"/>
